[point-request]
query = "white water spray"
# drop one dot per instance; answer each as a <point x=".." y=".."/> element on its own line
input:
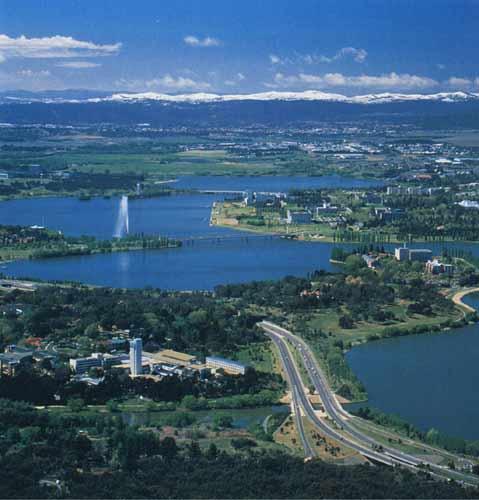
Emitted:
<point x="122" y="227"/>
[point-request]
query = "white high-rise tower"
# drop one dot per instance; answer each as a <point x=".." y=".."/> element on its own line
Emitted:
<point x="136" y="348"/>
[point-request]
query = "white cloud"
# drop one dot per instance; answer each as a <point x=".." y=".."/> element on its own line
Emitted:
<point x="208" y="41"/>
<point x="164" y="83"/>
<point x="458" y="82"/>
<point x="29" y="79"/>
<point x="78" y="64"/>
<point x="274" y="59"/>
<point x="390" y="81"/>
<point x="28" y="73"/>
<point x="52" y="47"/>
<point x="234" y="81"/>
<point x="358" y="55"/>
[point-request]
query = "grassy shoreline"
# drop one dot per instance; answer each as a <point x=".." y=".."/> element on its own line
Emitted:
<point x="313" y="232"/>
<point x="68" y="248"/>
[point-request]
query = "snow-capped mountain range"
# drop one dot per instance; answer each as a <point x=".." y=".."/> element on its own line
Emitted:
<point x="198" y="98"/>
<point x="308" y="95"/>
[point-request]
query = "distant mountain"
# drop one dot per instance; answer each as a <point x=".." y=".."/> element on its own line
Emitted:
<point x="91" y="96"/>
<point x="441" y="110"/>
<point x="308" y="95"/>
<point x="68" y="95"/>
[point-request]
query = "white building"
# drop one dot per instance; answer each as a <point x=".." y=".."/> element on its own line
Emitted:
<point x="413" y="254"/>
<point x="226" y="364"/>
<point x="82" y="365"/>
<point x="136" y="348"/>
<point x="401" y="254"/>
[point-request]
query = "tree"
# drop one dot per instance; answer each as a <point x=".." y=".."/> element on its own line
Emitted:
<point x="221" y="421"/>
<point x="168" y="448"/>
<point x="194" y="450"/>
<point x="353" y="264"/>
<point x="112" y="406"/>
<point x="432" y="436"/>
<point x="76" y="404"/>
<point x="212" y="451"/>
<point x="345" y="321"/>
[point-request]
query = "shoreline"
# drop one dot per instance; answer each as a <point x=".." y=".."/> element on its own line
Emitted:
<point x="4" y="262"/>
<point x="329" y="239"/>
<point x="459" y="295"/>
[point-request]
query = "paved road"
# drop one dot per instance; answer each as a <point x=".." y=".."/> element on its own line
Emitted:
<point x="296" y="409"/>
<point x="299" y="391"/>
<point x="340" y="426"/>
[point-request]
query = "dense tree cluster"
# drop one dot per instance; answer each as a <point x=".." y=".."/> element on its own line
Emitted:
<point x="101" y="457"/>
<point x="435" y="218"/>
<point x="37" y="243"/>
<point x="197" y="322"/>
<point x="362" y="294"/>
<point x="432" y="436"/>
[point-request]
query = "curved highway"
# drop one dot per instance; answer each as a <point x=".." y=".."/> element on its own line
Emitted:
<point x="341" y="428"/>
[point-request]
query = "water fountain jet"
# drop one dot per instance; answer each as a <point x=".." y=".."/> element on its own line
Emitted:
<point x="122" y="227"/>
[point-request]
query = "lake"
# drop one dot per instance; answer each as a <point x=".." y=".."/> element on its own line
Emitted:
<point x="430" y="380"/>
<point x="198" y="266"/>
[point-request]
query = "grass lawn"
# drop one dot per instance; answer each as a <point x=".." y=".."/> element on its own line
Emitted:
<point x="328" y="321"/>
<point x="287" y="436"/>
<point x="259" y="356"/>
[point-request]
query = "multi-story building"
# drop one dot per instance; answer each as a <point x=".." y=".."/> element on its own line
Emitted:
<point x="300" y="217"/>
<point x="226" y="364"/>
<point x="413" y="254"/>
<point x="11" y="361"/>
<point x="437" y="267"/>
<point x="420" y="254"/>
<point x="82" y="365"/>
<point x="401" y="254"/>
<point x="136" y="355"/>
<point x="326" y="208"/>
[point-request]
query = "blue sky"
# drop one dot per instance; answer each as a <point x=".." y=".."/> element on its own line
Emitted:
<point x="227" y="46"/>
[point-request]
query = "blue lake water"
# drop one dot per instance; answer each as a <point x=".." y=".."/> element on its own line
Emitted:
<point x="180" y="216"/>
<point x="430" y="380"/>
<point x="200" y="266"/>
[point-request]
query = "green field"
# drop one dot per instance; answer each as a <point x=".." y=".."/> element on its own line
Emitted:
<point x="328" y="321"/>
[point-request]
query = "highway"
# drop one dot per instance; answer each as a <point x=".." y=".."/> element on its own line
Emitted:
<point x="339" y="426"/>
<point x="308" y="449"/>
<point x="296" y="410"/>
<point x="298" y="390"/>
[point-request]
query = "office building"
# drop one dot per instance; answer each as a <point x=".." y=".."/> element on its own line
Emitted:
<point x="82" y="365"/>
<point x="300" y="217"/>
<point x="413" y="254"/>
<point x="420" y="254"/>
<point x="437" y="267"/>
<point x="401" y="254"/>
<point x="226" y="364"/>
<point x="136" y="348"/>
